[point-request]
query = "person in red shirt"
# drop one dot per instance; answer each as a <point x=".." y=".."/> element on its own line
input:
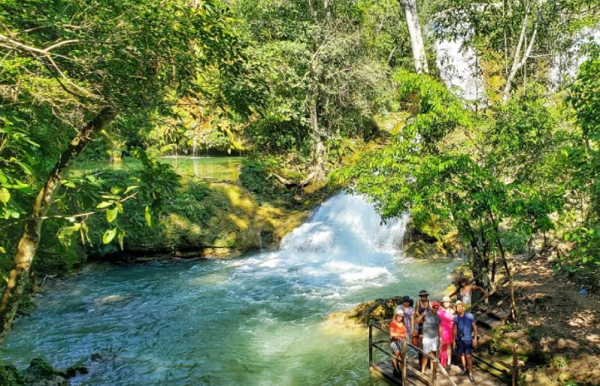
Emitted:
<point x="397" y="335"/>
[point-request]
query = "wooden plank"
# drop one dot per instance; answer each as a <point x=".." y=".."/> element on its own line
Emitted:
<point x="370" y="346"/>
<point x="492" y="362"/>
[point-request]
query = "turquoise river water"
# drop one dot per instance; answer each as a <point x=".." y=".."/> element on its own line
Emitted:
<point x="262" y="319"/>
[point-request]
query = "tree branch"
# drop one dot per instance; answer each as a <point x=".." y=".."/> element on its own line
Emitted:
<point x="517" y="61"/>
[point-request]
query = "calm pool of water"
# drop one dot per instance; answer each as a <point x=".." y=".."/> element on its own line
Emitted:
<point x="219" y="168"/>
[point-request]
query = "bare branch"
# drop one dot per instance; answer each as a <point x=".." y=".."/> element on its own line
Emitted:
<point x="64" y="42"/>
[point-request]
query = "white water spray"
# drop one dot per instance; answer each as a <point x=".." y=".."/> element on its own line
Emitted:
<point x="344" y="245"/>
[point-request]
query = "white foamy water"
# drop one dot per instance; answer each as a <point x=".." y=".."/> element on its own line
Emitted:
<point x="345" y="244"/>
<point x="459" y="69"/>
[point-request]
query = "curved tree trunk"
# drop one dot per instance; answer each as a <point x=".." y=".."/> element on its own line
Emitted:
<point x="416" y="36"/>
<point x="19" y="277"/>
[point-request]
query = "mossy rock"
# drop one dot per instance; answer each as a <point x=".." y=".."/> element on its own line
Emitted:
<point x="10" y="376"/>
<point x="217" y="219"/>
<point x="375" y="310"/>
<point x="425" y="251"/>
<point x="41" y="373"/>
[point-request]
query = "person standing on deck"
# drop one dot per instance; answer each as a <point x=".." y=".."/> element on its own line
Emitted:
<point x="432" y="331"/>
<point x="446" y="314"/>
<point x="397" y="335"/>
<point x="421" y="308"/>
<point x="465" y="290"/>
<point x="409" y="316"/>
<point x="465" y="338"/>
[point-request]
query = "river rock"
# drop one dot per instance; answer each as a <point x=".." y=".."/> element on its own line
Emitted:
<point x="10" y="376"/>
<point x="426" y="251"/>
<point x="374" y="310"/>
<point x="40" y="373"/>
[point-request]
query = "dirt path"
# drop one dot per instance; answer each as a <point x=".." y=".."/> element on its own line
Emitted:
<point x="560" y="327"/>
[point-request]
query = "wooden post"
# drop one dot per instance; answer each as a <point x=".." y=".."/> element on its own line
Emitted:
<point x="370" y="346"/>
<point x="434" y="372"/>
<point x="404" y="354"/>
<point x="515" y="372"/>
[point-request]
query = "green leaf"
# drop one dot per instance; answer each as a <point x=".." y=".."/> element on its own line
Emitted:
<point x="26" y="168"/>
<point x="116" y="190"/>
<point x="111" y="214"/>
<point x="2" y="250"/>
<point x="121" y="238"/>
<point x="4" y="195"/>
<point x="109" y="235"/>
<point x="104" y="204"/>
<point x="130" y="188"/>
<point x="148" y="216"/>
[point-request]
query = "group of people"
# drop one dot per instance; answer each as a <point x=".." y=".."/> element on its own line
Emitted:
<point x="437" y="328"/>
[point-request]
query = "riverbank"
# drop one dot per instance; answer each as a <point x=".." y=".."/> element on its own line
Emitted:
<point x="209" y="219"/>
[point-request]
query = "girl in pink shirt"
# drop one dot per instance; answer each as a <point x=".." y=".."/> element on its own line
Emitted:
<point x="446" y="314"/>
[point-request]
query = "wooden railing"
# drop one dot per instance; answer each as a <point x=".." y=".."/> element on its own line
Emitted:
<point x="405" y="366"/>
<point x="512" y="368"/>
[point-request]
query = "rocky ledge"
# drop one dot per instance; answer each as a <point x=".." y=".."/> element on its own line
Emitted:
<point x="39" y="373"/>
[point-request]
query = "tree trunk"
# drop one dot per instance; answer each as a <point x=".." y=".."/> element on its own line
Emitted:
<point x="519" y="61"/>
<point x="319" y="148"/>
<point x="19" y="278"/>
<point x="514" y="312"/>
<point x="416" y="36"/>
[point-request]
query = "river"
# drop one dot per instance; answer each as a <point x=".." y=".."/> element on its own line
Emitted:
<point x="261" y="319"/>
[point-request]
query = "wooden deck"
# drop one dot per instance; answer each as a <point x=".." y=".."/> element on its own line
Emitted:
<point x="486" y="366"/>
<point x="488" y="369"/>
<point x="385" y="369"/>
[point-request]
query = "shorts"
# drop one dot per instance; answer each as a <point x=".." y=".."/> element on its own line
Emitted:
<point x="420" y="329"/>
<point x="396" y="346"/>
<point x="430" y="344"/>
<point x="464" y="347"/>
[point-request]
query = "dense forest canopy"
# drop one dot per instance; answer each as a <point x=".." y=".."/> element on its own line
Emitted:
<point x="302" y="88"/>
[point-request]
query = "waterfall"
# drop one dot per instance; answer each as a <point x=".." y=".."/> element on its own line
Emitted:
<point x="459" y="69"/>
<point x="344" y="244"/>
<point x="194" y="146"/>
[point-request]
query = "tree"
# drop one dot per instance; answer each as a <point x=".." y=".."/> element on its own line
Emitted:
<point x="324" y="65"/>
<point x="516" y="42"/>
<point x="86" y="63"/>
<point x="485" y="175"/>
<point x="416" y="37"/>
<point x="582" y="164"/>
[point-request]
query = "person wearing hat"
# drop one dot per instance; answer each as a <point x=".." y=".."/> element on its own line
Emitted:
<point x="432" y="331"/>
<point x="465" y="338"/>
<point x="409" y="315"/>
<point x="421" y="308"/>
<point x="465" y="290"/>
<point x="397" y="335"/>
<point x="446" y="314"/>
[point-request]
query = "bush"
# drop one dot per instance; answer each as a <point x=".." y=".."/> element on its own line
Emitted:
<point x="254" y="177"/>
